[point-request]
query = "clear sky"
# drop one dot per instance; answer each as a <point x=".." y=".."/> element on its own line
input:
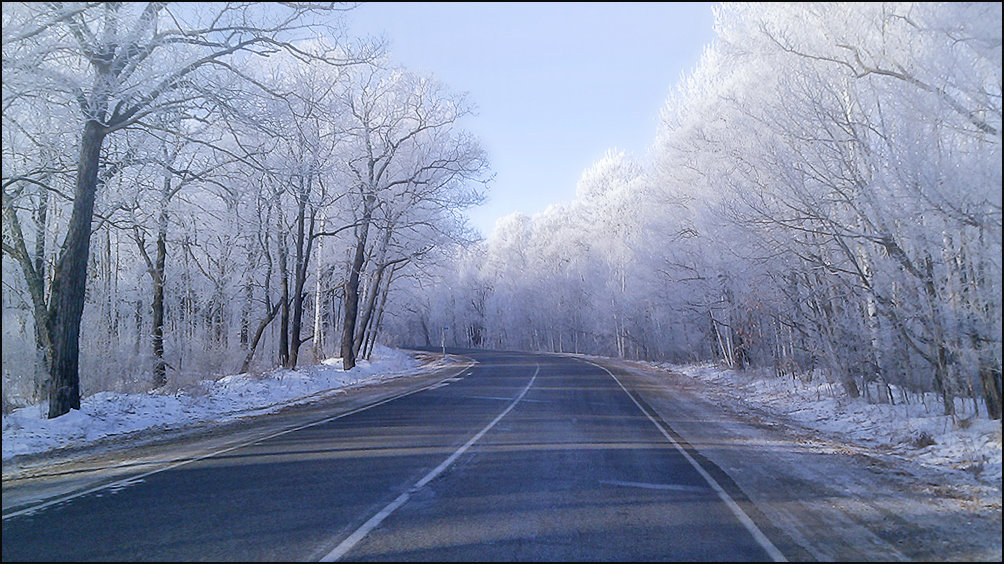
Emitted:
<point x="556" y="84"/>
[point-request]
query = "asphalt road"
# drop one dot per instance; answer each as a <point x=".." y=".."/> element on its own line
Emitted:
<point x="520" y="457"/>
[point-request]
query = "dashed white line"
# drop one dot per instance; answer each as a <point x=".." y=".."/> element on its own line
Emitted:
<point x="119" y="484"/>
<point x="374" y="521"/>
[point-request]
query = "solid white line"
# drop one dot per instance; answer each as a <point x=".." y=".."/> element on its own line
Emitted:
<point x="127" y="481"/>
<point x="741" y="515"/>
<point x="360" y="533"/>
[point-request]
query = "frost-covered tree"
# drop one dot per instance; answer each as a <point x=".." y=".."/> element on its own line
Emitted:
<point x="854" y="147"/>
<point x="115" y="63"/>
<point x="404" y="146"/>
<point x="824" y="197"/>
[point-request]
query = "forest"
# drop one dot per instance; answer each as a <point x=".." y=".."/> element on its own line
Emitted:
<point x="208" y="189"/>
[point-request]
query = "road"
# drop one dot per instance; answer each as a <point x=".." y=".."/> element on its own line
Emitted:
<point x="519" y="457"/>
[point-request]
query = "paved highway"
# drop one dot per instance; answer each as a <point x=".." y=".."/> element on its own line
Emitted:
<point x="519" y="457"/>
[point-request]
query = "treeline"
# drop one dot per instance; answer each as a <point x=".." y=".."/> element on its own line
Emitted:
<point x="823" y="196"/>
<point x="197" y="189"/>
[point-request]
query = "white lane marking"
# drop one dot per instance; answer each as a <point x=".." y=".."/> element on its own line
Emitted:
<point x="649" y="486"/>
<point x="448" y="381"/>
<point x="374" y="521"/>
<point x="507" y="399"/>
<point x="741" y="515"/>
<point x="118" y="484"/>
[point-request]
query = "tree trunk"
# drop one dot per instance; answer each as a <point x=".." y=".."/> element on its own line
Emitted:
<point x="70" y="279"/>
<point x="160" y="260"/>
<point x="300" y="265"/>
<point x="297" y="320"/>
<point x="366" y="314"/>
<point x="372" y="294"/>
<point x="944" y="383"/>
<point x="159" y="366"/>
<point x="379" y="313"/>
<point x="245" y="329"/>
<point x="33" y="270"/>
<point x="284" y="303"/>
<point x="336" y="308"/>
<point x="270" y="315"/>
<point x="318" y="302"/>
<point x="990" y="377"/>
<point x="352" y="297"/>
<point x="36" y="284"/>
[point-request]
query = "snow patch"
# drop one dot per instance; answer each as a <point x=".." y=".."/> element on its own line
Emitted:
<point x="912" y="427"/>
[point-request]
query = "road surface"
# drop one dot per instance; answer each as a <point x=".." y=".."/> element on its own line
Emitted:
<point x="518" y="457"/>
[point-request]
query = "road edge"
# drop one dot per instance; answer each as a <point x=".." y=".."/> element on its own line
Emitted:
<point x="107" y="460"/>
<point x="855" y="512"/>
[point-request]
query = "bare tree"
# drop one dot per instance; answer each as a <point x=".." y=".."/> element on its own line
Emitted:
<point x="134" y="59"/>
<point x="403" y="137"/>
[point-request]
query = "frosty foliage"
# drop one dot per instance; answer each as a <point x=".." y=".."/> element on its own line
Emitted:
<point x="243" y="149"/>
<point x="823" y="197"/>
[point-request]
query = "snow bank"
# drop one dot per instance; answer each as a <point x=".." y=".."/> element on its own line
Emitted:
<point x="27" y="431"/>
<point x="916" y="429"/>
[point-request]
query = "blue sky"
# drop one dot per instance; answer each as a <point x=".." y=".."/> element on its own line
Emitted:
<point x="556" y="84"/>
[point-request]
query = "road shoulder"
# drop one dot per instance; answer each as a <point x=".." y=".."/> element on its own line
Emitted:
<point x="32" y="479"/>
<point x="868" y="504"/>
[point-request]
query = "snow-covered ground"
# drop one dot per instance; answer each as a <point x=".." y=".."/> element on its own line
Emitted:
<point x="102" y="415"/>
<point x="914" y="427"/>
